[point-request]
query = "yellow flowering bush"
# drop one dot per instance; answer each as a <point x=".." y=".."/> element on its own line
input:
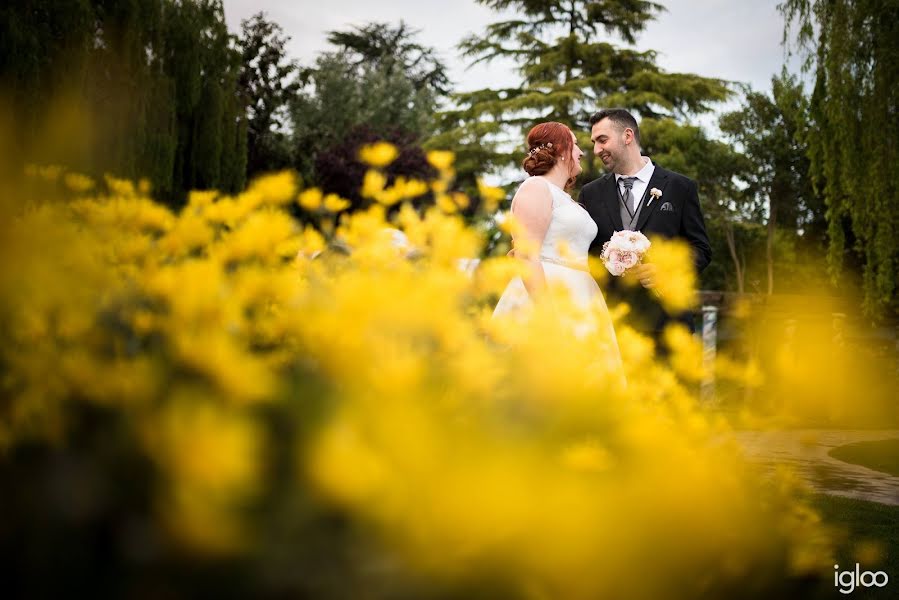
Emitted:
<point x="338" y="403"/>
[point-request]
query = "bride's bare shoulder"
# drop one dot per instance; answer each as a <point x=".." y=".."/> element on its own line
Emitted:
<point x="532" y="194"/>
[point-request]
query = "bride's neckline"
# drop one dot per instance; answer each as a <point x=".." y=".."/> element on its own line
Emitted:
<point x="549" y="182"/>
<point x="553" y="184"/>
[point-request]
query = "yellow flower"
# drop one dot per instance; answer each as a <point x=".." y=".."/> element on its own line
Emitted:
<point x="257" y="237"/>
<point x="509" y="225"/>
<point x="189" y="233"/>
<point x="226" y="211"/>
<point x="675" y="274"/>
<point x="241" y="376"/>
<point x="491" y="196"/>
<point x="275" y="188"/>
<point x="312" y="243"/>
<point x="334" y="203"/>
<point x="120" y="187"/>
<point x="373" y="183"/>
<point x="461" y="200"/>
<point x="310" y="199"/>
<point x="211" y="455"/>
<point x="200" y="199"/>
<point x="446" y="204"/>
<point x="379" y="154"/>
<point x="48" y="172"/>
<point x="686" y="358"/>
<point x="442" y="160"/>
<point x="411" y="188"/>
<point x="587" y="456"/>
<point x="78" y="183"/>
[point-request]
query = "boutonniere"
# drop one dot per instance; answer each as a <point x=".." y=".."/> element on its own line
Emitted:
<point x="653" y="194"/>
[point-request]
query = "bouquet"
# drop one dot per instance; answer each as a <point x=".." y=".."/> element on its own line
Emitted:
<point x="625" y="250"/>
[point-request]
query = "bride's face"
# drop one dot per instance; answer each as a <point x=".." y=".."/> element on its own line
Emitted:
<point x="576" y="154"/>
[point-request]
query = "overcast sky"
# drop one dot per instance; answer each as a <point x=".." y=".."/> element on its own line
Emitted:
<point x="730" y="39"/>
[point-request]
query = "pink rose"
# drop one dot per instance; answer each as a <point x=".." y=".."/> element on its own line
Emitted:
<point x="619" y="261"/>
<point x="624" y="250"/>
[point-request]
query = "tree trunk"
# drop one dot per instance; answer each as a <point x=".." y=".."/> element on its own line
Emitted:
<point x="732" y="247"/>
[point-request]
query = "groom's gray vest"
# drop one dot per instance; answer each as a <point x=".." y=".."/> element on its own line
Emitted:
<point x="625" y="216"/>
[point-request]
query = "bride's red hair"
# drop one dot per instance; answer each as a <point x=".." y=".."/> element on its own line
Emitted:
<point x="547" y="144"/>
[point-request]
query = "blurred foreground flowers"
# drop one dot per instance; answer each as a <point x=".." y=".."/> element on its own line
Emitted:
<point x="333" y="410"/>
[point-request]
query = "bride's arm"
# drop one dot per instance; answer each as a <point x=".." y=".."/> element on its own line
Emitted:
<point x="532" y="207"/>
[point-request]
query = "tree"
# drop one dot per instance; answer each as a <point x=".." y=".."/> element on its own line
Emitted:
<point x="202" y="60"/>
<point x="567" y="72"/>
<point x="268" y="81"/>
<point x="394" y="49"/>
<point x="771" y="131"/>
<point x="853" y="48"/>
<point x="141" y="89"/>
<point x="43" y="54"/>
<point x="379" y="77"/>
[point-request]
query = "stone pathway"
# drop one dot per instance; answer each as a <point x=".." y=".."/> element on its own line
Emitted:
<point x="806" y="452"/>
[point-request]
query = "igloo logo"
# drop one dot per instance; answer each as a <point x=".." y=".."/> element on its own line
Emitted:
<point x="847" y="581"/>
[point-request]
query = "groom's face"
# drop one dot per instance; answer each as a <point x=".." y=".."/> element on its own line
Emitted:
<point x="608" y="143"/>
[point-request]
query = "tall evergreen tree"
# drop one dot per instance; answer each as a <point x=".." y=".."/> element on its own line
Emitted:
<point x="568" y="70"/>
<point x="853" y="48"/>
<point x="201" y="58"/>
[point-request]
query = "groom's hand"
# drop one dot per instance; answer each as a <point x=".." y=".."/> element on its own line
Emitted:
<point x="646" y="275"/>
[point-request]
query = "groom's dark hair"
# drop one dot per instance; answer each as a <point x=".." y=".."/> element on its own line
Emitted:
<point x="620" y="117"/>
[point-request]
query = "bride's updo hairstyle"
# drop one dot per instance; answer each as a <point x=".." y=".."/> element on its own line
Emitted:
<point x="547" y="144"/>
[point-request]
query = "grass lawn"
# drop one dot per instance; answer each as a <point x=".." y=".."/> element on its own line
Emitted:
<point x="865" y="529"/>
<point x="880" y="455"/>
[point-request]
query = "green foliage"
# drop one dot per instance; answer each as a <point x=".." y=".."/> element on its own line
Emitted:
<point x="772" y="132"/>
<point x="567" y="72"/>
<point x="42" y="48"/>
<point x="853" y="48"/>
<point x="393" y="48"/>
<point x="379" y="78"/>
<point x="267" y="83"/>
<point x="136" y="89"/>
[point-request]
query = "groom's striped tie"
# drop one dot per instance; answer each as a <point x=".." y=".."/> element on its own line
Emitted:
<point x="627" y="193"/>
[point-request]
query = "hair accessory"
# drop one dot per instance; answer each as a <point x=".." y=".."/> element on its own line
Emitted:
<point x="539" y="147"/>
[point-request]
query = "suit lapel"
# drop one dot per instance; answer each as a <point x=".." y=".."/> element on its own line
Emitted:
<point x="659" y="180"/>
<point x="608" y="195"/>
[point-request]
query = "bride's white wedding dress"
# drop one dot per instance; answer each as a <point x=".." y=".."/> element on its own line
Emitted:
<point x="570" y="227"/>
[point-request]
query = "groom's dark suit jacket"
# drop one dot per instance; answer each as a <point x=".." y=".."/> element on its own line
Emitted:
<point x="680" y="218"/>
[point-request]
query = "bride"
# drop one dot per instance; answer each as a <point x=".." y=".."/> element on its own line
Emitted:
<point x="555" y="231"/>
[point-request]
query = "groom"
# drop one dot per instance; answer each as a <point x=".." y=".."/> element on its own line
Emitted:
<point x="620" y="199"/>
